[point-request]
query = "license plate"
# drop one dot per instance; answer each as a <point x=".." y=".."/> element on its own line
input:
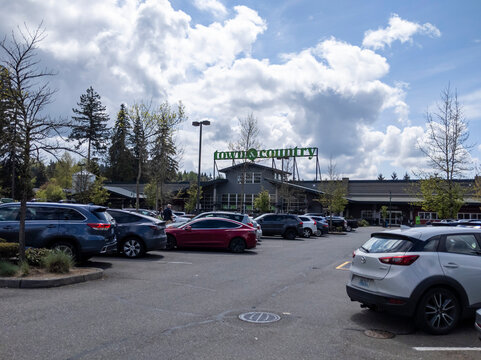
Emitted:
<point x="363" y="281"/>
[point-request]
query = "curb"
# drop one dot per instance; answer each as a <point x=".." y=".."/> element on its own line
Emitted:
<point x="95" y="274"/>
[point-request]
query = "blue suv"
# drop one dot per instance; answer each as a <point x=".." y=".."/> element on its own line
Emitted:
<point x="80" y="230"/>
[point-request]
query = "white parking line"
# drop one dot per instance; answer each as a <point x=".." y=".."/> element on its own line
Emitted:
<point x="447" y="348"/>
<point x="173" y="262"/>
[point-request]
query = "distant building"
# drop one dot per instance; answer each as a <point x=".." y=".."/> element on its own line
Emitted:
<point x="365" y="197"/>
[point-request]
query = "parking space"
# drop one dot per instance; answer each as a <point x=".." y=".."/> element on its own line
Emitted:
<point x="186" y="303"/>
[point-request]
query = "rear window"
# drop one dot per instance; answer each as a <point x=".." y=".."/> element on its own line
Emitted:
<point x="102" y="215"/>
<point x="386" y="245"/>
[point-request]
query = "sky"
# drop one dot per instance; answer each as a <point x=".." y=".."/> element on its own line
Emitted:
<point x="352" y="78"/>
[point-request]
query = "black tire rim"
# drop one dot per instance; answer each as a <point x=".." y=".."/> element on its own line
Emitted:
<point x="237" y="245"/>
<point x="132" y="248"/>
<point x="440" y="311"/>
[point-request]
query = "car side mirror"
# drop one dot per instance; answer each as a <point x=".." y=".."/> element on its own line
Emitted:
<point x="188" y="228"/>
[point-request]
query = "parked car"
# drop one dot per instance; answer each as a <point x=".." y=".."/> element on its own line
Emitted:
<point x="430" y="273"/>
<point x="137" y="233"/>
<point x="212" y="232"/>
<point x="243" y="218"/>
<point x="79" y="230"/>
<point x="309" y="227"/>
<point x="146" y="212"/>
<point x="477" y="323"/>
<point x="287" y="225"/>
<point x="322" y="225"/>
<point x="257" y="227"/>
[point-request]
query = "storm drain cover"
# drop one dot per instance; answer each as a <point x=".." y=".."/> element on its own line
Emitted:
<point x="259" y="317"/>
<point x="379" y="334"/>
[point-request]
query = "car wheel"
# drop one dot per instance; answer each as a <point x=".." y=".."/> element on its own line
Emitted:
<point x="133" y="248"/>
<point x="171" y="242"/>
<point x="306" y="232"/>
<point x="438" y="311"/>
<point x="318" y="233"/>
<point x="290" y="234"/>
<point x="67" y="248"/>
<point x="348" y="228"/>
<point x="237" y="245"/>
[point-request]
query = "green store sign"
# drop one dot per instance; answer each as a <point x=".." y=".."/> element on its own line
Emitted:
<point x="253" y="154"/>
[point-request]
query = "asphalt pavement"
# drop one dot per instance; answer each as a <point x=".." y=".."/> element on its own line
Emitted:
<point x="185" y="304"/>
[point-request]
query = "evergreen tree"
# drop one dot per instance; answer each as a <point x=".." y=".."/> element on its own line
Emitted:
<point x="380" y="177"/>
<point x="91" y="127"/>
<point x="121" y="162"/>
<point x="164" y="162"/>
<point x="394" y="176"/>
<point x="406" y="177"/>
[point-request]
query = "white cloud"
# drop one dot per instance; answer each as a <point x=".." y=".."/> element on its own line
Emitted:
<point x="472" y="105"/>
<point x="398" y="29"/>
<point x="329" y="95"/>
<point x="214" y="6"/>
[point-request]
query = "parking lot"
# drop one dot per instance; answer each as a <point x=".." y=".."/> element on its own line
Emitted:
<point x="185" y="304"/>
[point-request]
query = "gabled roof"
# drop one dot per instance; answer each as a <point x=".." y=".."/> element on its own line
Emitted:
<point x="296" y="186"/>
<point x="251" y="164"/>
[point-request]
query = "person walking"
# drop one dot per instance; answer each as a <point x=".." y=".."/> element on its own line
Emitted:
<point x="167" y="214"/>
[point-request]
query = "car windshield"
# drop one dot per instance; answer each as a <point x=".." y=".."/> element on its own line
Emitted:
<point x="386" y="245"/>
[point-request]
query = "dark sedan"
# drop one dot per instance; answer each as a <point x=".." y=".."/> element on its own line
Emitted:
<point x="212" y="233"/>
<point x="137" y="234"/>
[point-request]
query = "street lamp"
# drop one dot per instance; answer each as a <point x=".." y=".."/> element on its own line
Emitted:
<point x="199" y="123"/>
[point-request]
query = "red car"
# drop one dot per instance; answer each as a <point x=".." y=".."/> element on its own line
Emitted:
<point x="213" y="233"/>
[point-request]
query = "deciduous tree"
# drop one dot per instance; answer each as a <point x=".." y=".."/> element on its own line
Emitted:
<point x="447" y="149"/>
<point x="29" y="92"/>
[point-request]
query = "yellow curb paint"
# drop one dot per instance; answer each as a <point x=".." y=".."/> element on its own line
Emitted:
<point x="341" y="267"/>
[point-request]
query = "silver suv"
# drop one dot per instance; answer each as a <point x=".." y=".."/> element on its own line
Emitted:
<point x="432" y="274"/>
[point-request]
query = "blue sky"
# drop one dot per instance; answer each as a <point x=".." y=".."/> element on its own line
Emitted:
<point x="353" y="78"/>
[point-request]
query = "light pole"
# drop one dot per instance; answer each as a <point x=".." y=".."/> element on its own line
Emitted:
<point x="199" y="123"/>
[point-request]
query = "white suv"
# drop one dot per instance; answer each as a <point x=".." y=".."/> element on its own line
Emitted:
<point x="309" y="226"/>
<point x="431" y="273"/>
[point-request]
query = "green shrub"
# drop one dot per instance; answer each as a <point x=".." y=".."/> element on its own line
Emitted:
<point x="2" y="240"/>
<point x="36" y="256"/>
<point x="8" y="250"/>
<point x="363" y="222"/>
<point x="24" y="268"/>
<point x="7" y="268"/>
<point x="58" y="262"/>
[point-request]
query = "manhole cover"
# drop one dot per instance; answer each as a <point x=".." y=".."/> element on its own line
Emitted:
<point x="259" y="317"/>
<point x="379" y="334"/>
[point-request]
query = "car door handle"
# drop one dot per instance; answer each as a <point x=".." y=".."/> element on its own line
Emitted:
<point x="8" y="227"/>
<point x="451" y="265"/>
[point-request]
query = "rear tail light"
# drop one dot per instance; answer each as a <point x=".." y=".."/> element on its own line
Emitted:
<point x="399" y="260"/>
<point x="354" y="254"/>
<point x="396" y="301"/>
<point x="259" y="227"/>
<point x="154" y="227"/>
<point x="250" y="224"/>
<point x="315" y="222"/>
<point x="99" y="226"/>
<point x="301" y="223"/>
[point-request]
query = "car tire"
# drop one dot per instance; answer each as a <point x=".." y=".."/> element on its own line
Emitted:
<point x="132" y="248"/>
<point x="348" y="228"/>
<point x="237" y="245"/>
<point x="438" y="311"/>
<point x="171" y="242"/>
<point x="306" y="232"/>
<point x="290" y="234"/>
<point x="68" y="248"/>
<point x="318" y="233"/>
